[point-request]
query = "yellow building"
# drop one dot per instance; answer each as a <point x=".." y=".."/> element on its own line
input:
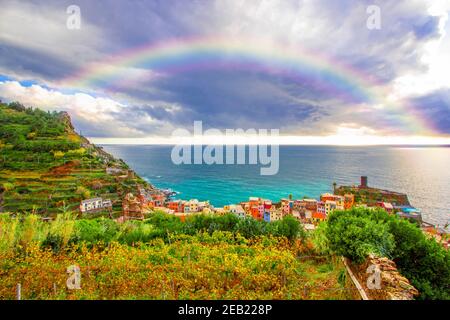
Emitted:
<point x="276" y="214"/>
<point x="193" y="205"/>
<point x="330" y="206"/>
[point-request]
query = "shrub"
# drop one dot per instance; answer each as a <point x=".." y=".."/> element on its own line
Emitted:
<point x="356" y="237"/>
<point x="8" y="228"/>
<point x="249" y="227"/>
<point x="54" y="242"/>
<point x="359" y="232"/>
<point x="320" y="239"/>
<point x="210" y="223"/>
<point x="61" y="232"/>
<point x="134" y="232"/>
<point x="288" y="227"/>
<point x="165" y="222"/>
<point x="95" y="231"/>
<point x="423" y="261"/>
<point x="32" y="231"/>
<point x="76" y="152"/>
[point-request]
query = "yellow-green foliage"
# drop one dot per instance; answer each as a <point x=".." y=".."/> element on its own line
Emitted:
<point x="8" y="186"/>
<point x="182" y="269"/>
<point x="32" y="231"/>
<point x="63" y="226"/>
<point x="58" y="154"/>
<point x="320" y="240"/>
<point x="8" y="232"/>
<point x="29" y="230"/>
<point x="83" y="191"/>
<point x="221" y="265"/>
<point x="78" y="152"/>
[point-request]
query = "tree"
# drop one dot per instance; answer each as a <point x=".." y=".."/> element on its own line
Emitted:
<point x="288" y="227"/>
<point x="355" y="236"/>
<point x="358" y="232"/>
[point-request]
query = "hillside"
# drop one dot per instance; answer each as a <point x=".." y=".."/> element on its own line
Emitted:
<point x="46" y="167"/>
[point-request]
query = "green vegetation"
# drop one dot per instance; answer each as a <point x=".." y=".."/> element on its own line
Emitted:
<point x="17" y="233"/>
<point x="371" y="196"/>
<point x="359" y="232"/>
<point x="162" y="258"/>
<point x="47" y="169"/>
<point x="45" y="164"/>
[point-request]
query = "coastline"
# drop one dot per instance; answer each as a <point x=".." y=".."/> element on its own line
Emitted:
<point x="303" y="177"/>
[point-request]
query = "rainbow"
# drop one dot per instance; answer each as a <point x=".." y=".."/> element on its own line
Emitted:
<point x="180" y="55"/>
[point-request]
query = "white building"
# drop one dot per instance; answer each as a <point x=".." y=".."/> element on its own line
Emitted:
<point x="236" y="209"/>
<point x="94" y="205"/>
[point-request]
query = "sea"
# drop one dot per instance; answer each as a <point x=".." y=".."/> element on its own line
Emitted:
<point x="420" y="172"/>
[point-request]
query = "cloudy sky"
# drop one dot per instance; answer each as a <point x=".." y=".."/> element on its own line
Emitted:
<point x="343" y="82"/>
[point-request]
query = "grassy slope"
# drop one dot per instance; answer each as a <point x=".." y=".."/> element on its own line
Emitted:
<point x="45" y="165"/>
<point x="180" y="270"/>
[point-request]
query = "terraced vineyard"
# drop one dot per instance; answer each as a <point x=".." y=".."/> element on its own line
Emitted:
<point x="46" y="167"/>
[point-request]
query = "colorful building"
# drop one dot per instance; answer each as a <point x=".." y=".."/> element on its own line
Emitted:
<point x="235" y="209"/>
<point x="321" y="207"/>
<point x="317" y="216"/>
<point x="132" y="208"/>
<point x="287" y="206"/>
<point x="338" y="200"/>
<point x="386" y="206"/>
<point x="254" y="212"/>
<point x="176" y="205"/>
<point x="267" y="206"/>
<point x="276" y="214"/>
<point x="329" y="207"/>
<point x="310" y="207"/>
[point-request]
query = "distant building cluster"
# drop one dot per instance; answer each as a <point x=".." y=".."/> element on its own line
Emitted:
<point x="305" y="210"/>
<point x="308" y="211"/>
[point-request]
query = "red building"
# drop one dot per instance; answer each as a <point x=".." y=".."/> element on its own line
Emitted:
<point x="176" y="206"/>
<point x="386" y="206"/>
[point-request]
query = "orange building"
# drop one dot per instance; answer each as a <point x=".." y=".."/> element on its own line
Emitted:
<point x="319" y="216"/>
<point x="175" y="206"/>
<point x="255" y="212"/>
<point x="159" y="199"/>
<point x="253" y="201"/>
<point x="327" y="197"/>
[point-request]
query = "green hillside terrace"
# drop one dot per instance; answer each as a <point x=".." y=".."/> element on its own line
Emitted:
<point x="46" y="167"/>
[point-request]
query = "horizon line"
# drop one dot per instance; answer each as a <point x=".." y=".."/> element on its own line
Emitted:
<point x="337" y="140"/>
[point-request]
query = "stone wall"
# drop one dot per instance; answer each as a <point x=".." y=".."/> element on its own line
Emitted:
<point x="393" y="285"/>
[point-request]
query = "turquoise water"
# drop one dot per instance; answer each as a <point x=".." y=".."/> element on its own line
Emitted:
<point x="420" y="172"/>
